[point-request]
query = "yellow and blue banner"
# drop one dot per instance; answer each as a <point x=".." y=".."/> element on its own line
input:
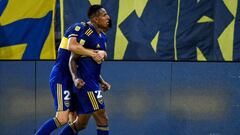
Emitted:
<point x="27" y="29"/>
<point x="172" y="30"/>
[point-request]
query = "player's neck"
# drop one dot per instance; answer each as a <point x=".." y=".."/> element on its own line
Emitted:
<point x="99" y="30"/>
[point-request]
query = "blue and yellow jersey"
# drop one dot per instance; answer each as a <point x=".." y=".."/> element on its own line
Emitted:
<point x="63" y="52"/>
<point x="88" y="69"/>
<point x="60" y="78"/>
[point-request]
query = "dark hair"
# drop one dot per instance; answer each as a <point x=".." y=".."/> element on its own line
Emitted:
<point x="93" y="10"/>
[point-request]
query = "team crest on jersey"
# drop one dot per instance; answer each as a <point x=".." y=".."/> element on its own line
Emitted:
<point x="98" y="46"/>
<point x="67" y="103"/>
<point x="77" y="28"/>
<point x="100" y="100"/>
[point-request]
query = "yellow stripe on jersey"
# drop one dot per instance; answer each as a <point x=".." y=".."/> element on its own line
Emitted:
<point x="64" y="43"/>
<point x="59" y="97"/>
<point x="93" y="100"/>
<point x="89" y="31"/>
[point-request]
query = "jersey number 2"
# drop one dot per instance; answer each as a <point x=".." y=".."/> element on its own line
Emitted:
<point x="66" y="95"/>
<point x="98" y="92"/>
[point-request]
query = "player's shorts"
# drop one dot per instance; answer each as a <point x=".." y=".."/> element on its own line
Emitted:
<point x="62" y="94"/>
<point x="89" y="101"/>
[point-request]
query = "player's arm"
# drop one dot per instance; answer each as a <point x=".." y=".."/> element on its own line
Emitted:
<point x="105" y="85"/>
<point x="78" y="82"/>
<point x="77" y="48"/>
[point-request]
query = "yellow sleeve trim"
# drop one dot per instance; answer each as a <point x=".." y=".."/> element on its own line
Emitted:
<point x="64" y="43"/>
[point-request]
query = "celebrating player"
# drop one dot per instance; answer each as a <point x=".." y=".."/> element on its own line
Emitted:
<point x="86" y="74"/>
<point x="61" y="81"/>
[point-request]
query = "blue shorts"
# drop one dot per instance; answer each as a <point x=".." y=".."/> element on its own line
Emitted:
<point x="62" y="93"/>
<point x="88" y="101"/>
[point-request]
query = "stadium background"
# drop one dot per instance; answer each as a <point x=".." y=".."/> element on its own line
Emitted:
<point x="159" y="87"/>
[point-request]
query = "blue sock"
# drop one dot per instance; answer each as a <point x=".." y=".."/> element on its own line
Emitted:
<point x="69" y="129"/>
<point x="48" y="127"/>
<point x="102" y="130"/>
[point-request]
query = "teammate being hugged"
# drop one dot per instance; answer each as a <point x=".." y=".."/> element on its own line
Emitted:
<point x="61" y="82"/>
<point x="88" y="83"/>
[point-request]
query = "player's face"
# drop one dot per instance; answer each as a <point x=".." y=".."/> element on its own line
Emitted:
<point x="103" y="19"/>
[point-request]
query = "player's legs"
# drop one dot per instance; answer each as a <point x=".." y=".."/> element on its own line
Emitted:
<point x="62" y="103"/>
<point x="49" y="126"/>
<point x="89" y="103"/>
<point x="68" y="115"/>
<point x="62" y="116"/>
<point x="101" y="119"/>
<point x="79" y="124"/>
<point x="82" y="121"/>
<point x="72" y="113"/>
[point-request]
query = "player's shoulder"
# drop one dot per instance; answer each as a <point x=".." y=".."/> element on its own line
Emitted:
<point x="78" y="26"/>
<point x="75" y="29"/>
<point x="89" y="30"/>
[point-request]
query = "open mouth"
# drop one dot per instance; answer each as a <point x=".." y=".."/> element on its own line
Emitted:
<point x="109" y="23"/>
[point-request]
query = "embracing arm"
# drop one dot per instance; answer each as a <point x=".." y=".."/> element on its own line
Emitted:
<point x="77" y="48"/>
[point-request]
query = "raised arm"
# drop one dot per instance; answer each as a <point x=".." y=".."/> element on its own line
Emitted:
<point x="78" y="82"/>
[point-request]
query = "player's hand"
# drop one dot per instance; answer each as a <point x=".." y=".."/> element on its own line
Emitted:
<point x="79" y="83"/>
<point x="105" y="86"/>
<point x="100" y="56"/>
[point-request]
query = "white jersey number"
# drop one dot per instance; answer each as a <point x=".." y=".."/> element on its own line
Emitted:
<point x="99" y="94"/>
<point x="66" y="95"/>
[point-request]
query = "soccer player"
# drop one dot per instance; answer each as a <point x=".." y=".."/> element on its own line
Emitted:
<point x="86" y="75"/>
<point x="61" y="81"/>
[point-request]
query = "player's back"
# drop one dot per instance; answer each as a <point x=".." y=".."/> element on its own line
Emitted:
<point x="63" y="54"/>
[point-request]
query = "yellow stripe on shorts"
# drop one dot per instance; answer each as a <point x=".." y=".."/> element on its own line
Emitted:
<point x="93" y="100"/>
<point x="59" y="97"/>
